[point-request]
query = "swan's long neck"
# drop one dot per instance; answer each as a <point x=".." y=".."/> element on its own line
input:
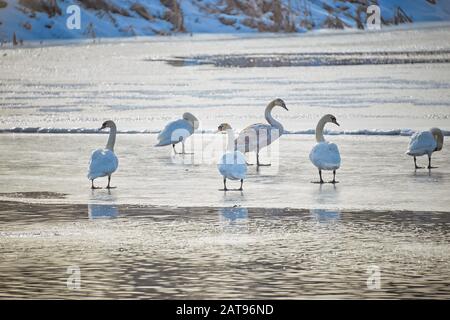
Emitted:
<point x="112" y="138"/>
<point x="271" y="120"/>
<point x="231" y="143"/>
<point x="319" y="130"/>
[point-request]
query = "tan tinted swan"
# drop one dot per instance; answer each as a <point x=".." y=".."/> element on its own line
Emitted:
<point x="178" y="131"/>
<point x="260" y="135"/>
<point x="425" y="143"/>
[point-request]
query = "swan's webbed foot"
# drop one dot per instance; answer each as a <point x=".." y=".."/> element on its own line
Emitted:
<point x="174" y="150"/>
<point x="249" y="164"/>
<point x="94" y="187"/>
<point x="109" y="184"/>
<point x="415" y="164"/>
<point x="259" y="164"/>
<point x="431" y="167"/>
<point x="334" y="178"/>
<point x="321" y="180"/>
<point x="224" y="185"/>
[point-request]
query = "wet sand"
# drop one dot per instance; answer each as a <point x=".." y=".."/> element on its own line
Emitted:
<point x="132" y="251"/>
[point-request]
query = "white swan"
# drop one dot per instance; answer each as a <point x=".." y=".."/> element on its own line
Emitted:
<point x="425" y="142"/>
<point x="260" y="135"/>
<point x="103" y="161"/>
<point x="232" y="164"/>
<point x="325" y="155"/>
<point x="178" y="131"/>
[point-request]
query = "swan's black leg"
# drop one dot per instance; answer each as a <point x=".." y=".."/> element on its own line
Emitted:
<point x="242" y="182"/>
<point x="415" y="164"/>
<point x="334" y="177"/>
<point x="174" y="150"/>
<point x="247" y="163"/>
<point x="225" y="184"/>
<point x="92" y="185"/>
<point x="260" y="164"/>
<point x="109" y="182"/>
<point x="184" y="151"/>
<point x="429" y="163"/>
<point x="321" y="180"/>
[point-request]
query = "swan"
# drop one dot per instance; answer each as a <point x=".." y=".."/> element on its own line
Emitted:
<point x="325" y="155"/>
<point x="425" y="142"/>
<point x="104" y="161"/>
<point x="178" y="131"/>
<point x="232" y="164"/>
<point x="260" y="135"/>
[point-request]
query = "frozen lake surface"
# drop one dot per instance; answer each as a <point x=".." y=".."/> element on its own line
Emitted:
<point x="167" y="231"/>
<point x="375" y="173"/>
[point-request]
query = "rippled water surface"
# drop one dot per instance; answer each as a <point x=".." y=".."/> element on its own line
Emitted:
<point x="230" y="252"/>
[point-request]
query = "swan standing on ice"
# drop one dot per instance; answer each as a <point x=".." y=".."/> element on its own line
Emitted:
<point x="325" y="155"/>
<point x="260" y="135"/>
<point x="103" y="161"/>
<point x="178" y="131"/>
<point x="232" y="164"/>
<point x="425" y="142"/>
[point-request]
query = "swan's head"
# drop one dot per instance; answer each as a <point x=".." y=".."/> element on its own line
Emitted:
<point x="280" y="103"/>
<point x="223" y="127"/>
<point x="192" y="119"/>
<point x="439" y="137"/>
<point x="331" y="118"/>
<point x="108" y="124"/>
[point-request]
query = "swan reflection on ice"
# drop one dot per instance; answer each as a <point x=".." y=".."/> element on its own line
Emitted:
<point x="326" y="216"/>
<point x="102" y="206"/>
<point x="233" y="214"/>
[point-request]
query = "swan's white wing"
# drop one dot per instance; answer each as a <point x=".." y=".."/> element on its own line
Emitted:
<point x="175" y="132"/>
<point x="325" y="156"/>
<point x="233" y="166"/>
<point x="103" y="163"/>
<point x="258" y="133"/>
<point x="421" y="143"/>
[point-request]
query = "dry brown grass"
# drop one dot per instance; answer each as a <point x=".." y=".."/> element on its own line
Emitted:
<point x="174" y="15"/>
<point x="104" y="5"/>
<point x="333" y="22"/>
<point x="226" y="21"/>
<point x="50" y="7"/>
<point x="142" y="11"/>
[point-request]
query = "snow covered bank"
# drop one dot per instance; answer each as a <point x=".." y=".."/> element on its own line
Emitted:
<point x="24" y="20"/>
